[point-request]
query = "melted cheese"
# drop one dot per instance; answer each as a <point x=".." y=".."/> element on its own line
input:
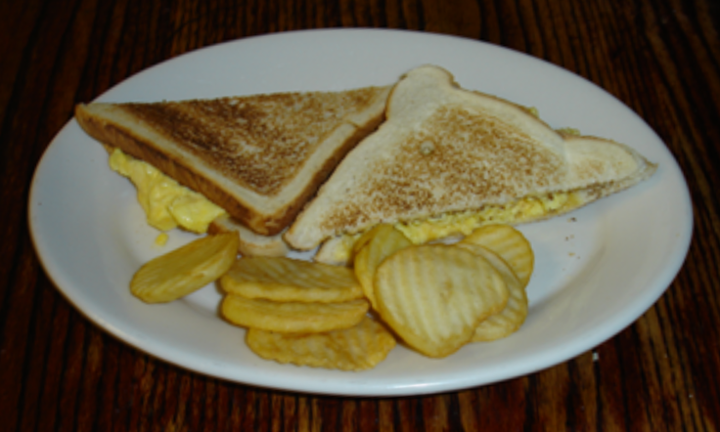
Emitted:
<point x="166" y="203"/>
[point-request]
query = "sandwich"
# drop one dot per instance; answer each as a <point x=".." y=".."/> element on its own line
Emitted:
<point x="257" y="158"/>
<point x="447" y="160"/>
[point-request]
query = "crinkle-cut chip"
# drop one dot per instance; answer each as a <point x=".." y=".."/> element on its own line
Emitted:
<point x="357" y="348"/>
<point x="289" y="280"/>
<point x="508" y="320"/>
<point x="510" y="244"/>
<point x="292" y="317"/>
<point x="385" y="240"/>
<point x="365" y="237"/>
<point x="186" y="269"/>
<point x="434" y="296"/>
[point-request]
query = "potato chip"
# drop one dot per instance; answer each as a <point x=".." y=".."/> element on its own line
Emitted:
<point x="366" y="237"/>
<point x="434" y="296"/>
<point x="186" y="269"/>
<point x="292" y="317"/>
<point x="509" y="320"/>
<point x="289" y="280"/>
<point x="357" y="348"/>
<point x="384" y="241"/>
<point x="510" y="244"/>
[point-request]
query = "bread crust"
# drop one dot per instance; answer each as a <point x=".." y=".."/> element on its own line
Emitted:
<point x="251" y="244"/>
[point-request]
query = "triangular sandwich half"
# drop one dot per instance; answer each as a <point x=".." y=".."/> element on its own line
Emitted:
<point x="258" y="157"/>
<point x="448" y="160"/>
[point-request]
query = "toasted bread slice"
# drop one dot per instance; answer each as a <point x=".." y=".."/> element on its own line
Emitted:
<point x="251" y="243"/>
<point x="448" y="153"/>
<point x="259" y="157"/>
<point x="337" y="250"/>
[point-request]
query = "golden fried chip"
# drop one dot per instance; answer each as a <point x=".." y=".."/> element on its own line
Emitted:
<point x="186" y="269"/>
<point x="385" y="240"/>
<point x="434" y="296"/>
<point x="292" y="317"/>
<point x="510" y="244"/>
<point x="357" y="348"/>
<point x="285" y="279"/>
<point x="366" y="237"/>
<point x="509" y="320"/>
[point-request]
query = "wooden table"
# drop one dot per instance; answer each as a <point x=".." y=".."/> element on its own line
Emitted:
<point x="58" y="371"/>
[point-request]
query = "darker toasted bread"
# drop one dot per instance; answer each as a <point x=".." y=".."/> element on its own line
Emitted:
<point x="259" y="157"/>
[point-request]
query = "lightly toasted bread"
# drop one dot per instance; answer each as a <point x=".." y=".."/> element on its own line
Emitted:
<point x="251" y="243"/>
<point x="445" y="154"/>
<point x="259" y="157"/>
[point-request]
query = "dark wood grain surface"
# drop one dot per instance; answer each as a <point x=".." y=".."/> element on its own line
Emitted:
<point x="60" y="372"/>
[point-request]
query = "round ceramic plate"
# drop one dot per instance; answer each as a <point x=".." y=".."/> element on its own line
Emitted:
<point x="597" y="269"/>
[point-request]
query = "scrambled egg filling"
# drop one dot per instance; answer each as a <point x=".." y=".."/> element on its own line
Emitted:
<point x="463" y="223"/>
<point x="167" y="204"/>
<point x="569" y="131"/>
<point x="161" y="239"/>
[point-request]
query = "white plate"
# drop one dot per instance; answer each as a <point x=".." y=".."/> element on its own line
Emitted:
<point x="596" y="273"/>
